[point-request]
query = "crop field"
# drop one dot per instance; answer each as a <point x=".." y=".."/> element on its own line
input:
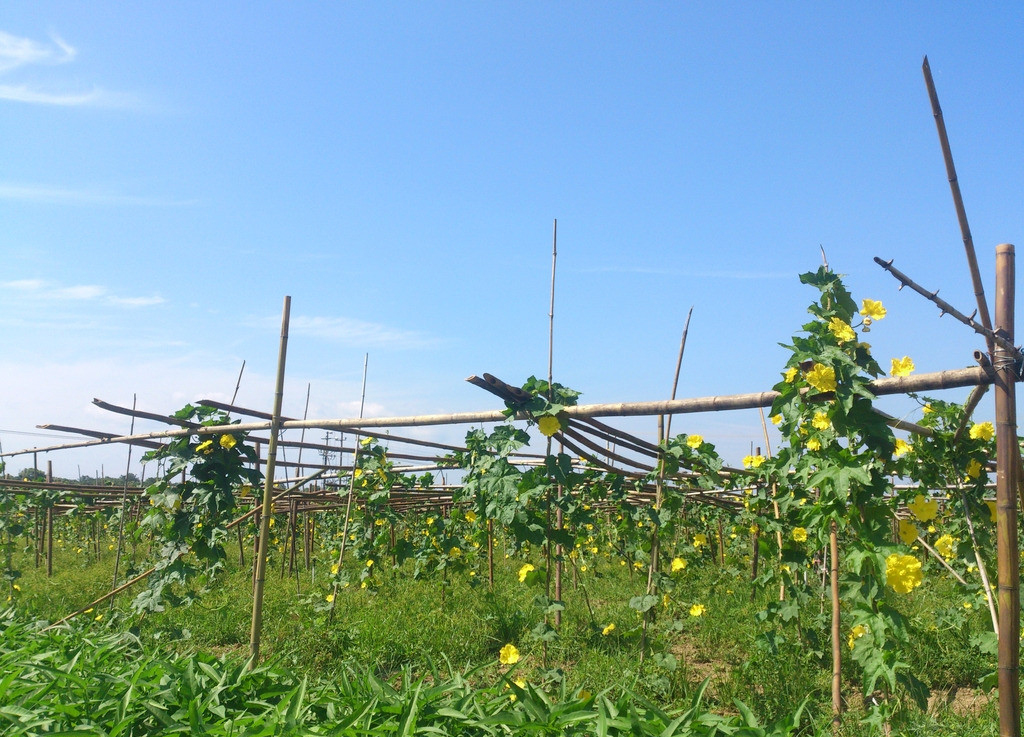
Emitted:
<point x="842" y="584"/>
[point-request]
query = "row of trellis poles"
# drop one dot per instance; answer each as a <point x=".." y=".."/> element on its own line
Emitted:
<point x="1001" y="372"/>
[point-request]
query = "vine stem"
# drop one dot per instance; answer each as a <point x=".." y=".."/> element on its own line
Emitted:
<point x="351" y="492"/>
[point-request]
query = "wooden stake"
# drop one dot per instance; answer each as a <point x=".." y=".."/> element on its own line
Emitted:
<point x="1007" y="552"/>
<point x="268" y="486"/>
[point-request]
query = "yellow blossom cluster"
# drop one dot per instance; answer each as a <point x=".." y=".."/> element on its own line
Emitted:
<point x="923" y="508"/>
<point x="903" y="573"/>
<point x="822" y="378"/>
<point x="902" y="366"/>
<point x="508" y="655"/>
<point x="841" y="329"/>
<point x="908" y="531"/>
<point x="548" y="425"/>
<point x="982" y="431"/>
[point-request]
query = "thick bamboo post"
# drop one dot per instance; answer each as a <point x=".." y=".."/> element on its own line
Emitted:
<point x="1007" y="553"/>
<point x="268" y="487"/>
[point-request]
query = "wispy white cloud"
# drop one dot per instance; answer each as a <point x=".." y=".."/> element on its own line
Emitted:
<point x="40" y="289"/>
<point x="63" y="196"/>
<point x="17" y="52"/>
<point x="357" y="333"/>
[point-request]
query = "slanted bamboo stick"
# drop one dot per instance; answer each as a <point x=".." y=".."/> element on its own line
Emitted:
<point x="958" y="203"/>
<point x="124" y="505"/>
<point x="261" y="555"/>
<point x="947" y="308"/>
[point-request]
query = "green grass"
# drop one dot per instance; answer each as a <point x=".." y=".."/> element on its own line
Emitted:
<point x="401" y="630"/>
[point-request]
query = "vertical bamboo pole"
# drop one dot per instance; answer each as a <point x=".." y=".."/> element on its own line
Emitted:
<point x="38" y="527"/>
<point x="1007" y="553"/>
<point x="268" y="487"/>
<point x="49" y="528"/>
<point x="837" y="641"/>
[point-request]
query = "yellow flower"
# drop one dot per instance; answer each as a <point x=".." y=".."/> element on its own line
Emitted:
<point x="982" y="430"/>
<point x="776" y="419"/>
<point x="694" y="441"/>
<point x="525" y="571"/>
<point x="678" y="564"/>
<point x="902" y="448"/>
<point x="608" y="629"/>
<point x="968" y="605"/>
<point x="753" y="461"/>
<point x="98" y="617"/>
<point x="813" y="444"/>
<point x="903" y="573"/>
<point x="821" y="421"/>
<point x="945" y="546"/>
<point x="330" y="598"/>
<point x="927" y="409"/>
<point x="548" y="425"/>
<point x="822" y="378"/>
<point x="791" y="373"/>
<point x="973" y="469"/>
<point x="800" y="534"/>
<point x="227" y="442"/>
<point x="470" y="516"/>
<point x="902" y="366"/>
<point x="508" y="655"/>
<point x="856" y="633"/>
<point x="205" y="447"/>
<point x="369" y="563"/>
<point x="367" y="441"/>
<point x="697" y="610"/>
<point x="908" y="531"/>
<point x="455" y="552"/>
<point x="334" y="569"/>
<point x="841" y="330"/>
<point x="700" y="539"/>
<point x="16" y="587"/>
<point x="872" y="309"/>
<point x="922" y="508"/>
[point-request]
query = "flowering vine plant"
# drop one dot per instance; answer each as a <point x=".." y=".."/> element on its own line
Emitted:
<point x="191" y="504"/>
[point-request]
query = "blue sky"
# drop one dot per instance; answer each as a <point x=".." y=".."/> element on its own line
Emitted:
<point x="169" y="172"/>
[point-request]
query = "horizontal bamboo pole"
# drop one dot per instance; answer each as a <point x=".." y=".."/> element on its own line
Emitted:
<point x="939" y="380"/>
